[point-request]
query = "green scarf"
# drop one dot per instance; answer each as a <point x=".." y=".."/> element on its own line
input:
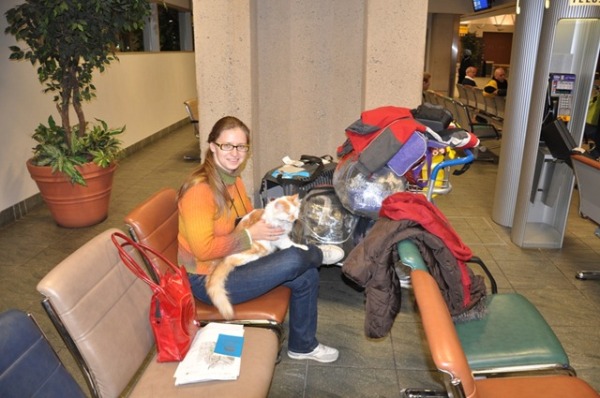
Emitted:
<point x="227" y="177"/>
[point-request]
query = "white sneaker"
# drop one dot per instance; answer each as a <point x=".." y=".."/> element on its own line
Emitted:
<point x="403" y="278"/>
<point x="405" y="282"/>
<point x="403" y="273"/>
<point x="331" y="254"/>
<point x="322" y="354"/>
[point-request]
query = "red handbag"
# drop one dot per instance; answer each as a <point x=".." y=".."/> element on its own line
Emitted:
<point x="172" y="309"/>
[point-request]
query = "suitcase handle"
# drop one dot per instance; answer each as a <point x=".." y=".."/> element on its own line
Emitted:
<point x="311" y="159"/>
<point x="315" y="159"/>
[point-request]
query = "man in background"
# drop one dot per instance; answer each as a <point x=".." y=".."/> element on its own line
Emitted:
<point x="465" y="62"/>
<point x="426" y="81"/>
<point x="497" y="85"/>
<point x="469" y="79"/>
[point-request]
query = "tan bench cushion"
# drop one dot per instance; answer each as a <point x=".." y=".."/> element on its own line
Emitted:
<point x="258" y="361"/>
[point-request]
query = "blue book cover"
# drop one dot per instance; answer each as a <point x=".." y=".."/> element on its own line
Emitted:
<point x="229" y="345"/>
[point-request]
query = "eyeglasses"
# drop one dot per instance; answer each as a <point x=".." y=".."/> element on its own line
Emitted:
<point x="231" y="147"/>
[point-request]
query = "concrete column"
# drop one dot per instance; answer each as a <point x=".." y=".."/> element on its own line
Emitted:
<point x="300" y="72"/>
<point x="443" y="43"/>
<point x="394" y="52"/>
<point x="224" y="65"/>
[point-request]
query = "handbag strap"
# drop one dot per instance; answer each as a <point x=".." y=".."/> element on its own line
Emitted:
<point x="133" y="265"/>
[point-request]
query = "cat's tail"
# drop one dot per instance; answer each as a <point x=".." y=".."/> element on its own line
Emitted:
<point x="215" y="288"/>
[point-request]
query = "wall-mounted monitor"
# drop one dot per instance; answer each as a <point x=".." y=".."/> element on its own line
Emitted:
<point x="480" y="5"/>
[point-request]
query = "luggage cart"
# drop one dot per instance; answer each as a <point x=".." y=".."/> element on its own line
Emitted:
<point x="443" y="186"/>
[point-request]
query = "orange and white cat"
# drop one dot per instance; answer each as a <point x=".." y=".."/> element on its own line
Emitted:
<point x="281" y="212"/>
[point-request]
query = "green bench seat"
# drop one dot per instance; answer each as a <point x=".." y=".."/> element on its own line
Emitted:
<point x="512" y="337"/>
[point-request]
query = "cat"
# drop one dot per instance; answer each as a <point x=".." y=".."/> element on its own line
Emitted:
<point x="281" y="212"/>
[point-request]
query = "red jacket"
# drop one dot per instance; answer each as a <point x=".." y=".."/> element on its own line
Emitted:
<point x="378" y="135"/>
<point x="414" y="207"/>
<point x="372" y="123"/>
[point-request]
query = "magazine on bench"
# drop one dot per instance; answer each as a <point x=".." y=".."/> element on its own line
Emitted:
<point x="215" y="354"/>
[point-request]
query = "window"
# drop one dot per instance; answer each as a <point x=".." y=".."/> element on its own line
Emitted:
<point x="168" y="26"/>
<point x="168" y="29"/>
<point x="131" y="41"/>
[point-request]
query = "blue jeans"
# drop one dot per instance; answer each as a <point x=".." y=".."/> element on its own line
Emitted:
<point x="294" y="268"/>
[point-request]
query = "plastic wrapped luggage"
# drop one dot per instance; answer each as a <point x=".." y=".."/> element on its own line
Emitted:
<point x="362" y="194"/>
<point x="324" y="220"/>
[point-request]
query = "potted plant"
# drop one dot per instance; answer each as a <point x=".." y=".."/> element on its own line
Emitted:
<point x="69" y="41"/>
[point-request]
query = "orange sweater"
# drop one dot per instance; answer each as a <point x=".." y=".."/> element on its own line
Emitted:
<point x="203" y="237"/>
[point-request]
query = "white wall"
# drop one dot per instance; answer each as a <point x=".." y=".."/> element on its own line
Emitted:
<point x="144" y="91"/>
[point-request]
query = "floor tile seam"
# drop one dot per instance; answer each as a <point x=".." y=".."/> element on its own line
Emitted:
<point x="592" y="298"/>
<point x="478" y="244"/>
<point x="569" y="258"/>
<point x="573" y="328"/>
<point x="581" y="325"/>
<point x="305" y="384"/>
<point x="585" y="368"/>
<point x="503" y="261"/>
<point x="10" y="264"/>
<point x="398" y="365"/>
<point x="30" y="255"/>
<point x="417" y="369"/>
<point x="333" y="365"/>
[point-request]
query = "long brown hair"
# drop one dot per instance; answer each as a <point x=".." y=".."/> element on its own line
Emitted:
<point x="207" y="171"/>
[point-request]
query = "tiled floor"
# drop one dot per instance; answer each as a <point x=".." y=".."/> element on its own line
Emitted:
<point x="366" y="368"/>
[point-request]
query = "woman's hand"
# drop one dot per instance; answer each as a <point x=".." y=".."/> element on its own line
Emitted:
<point x="263" y="231"/>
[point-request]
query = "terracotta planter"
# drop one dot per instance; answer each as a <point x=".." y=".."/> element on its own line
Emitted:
<point x="74" y="205"/>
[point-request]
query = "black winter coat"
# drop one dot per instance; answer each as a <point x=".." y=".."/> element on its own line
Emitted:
<point x="371" y="265"/>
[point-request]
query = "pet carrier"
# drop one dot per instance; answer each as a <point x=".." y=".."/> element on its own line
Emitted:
<point x="324" y="220"/>
<point x="310" y="172"/>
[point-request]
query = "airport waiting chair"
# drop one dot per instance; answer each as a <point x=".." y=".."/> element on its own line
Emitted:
<point x="29" y="366"/>
<point x="467" y="95"/>
<point x="462" y="94"/>
<point x="191" y="108"/>
<point x="431" y="97"/>
<point x="494" y="107"/>
<point x="511" y="337"/>
<point x="450" y="359"/>
<point x="100" y="309"/>
<point x="449" y="105"/>
<point x="483" y="131"/>
<point x="481" y="102"/>
<point x="490" y="105"/>
<point x="500" y="106"/>
<point x="155" y="223"/>
<point x="466" y="119"/>
<point x="471" y="99"/>
<point x="587" y="173"/>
